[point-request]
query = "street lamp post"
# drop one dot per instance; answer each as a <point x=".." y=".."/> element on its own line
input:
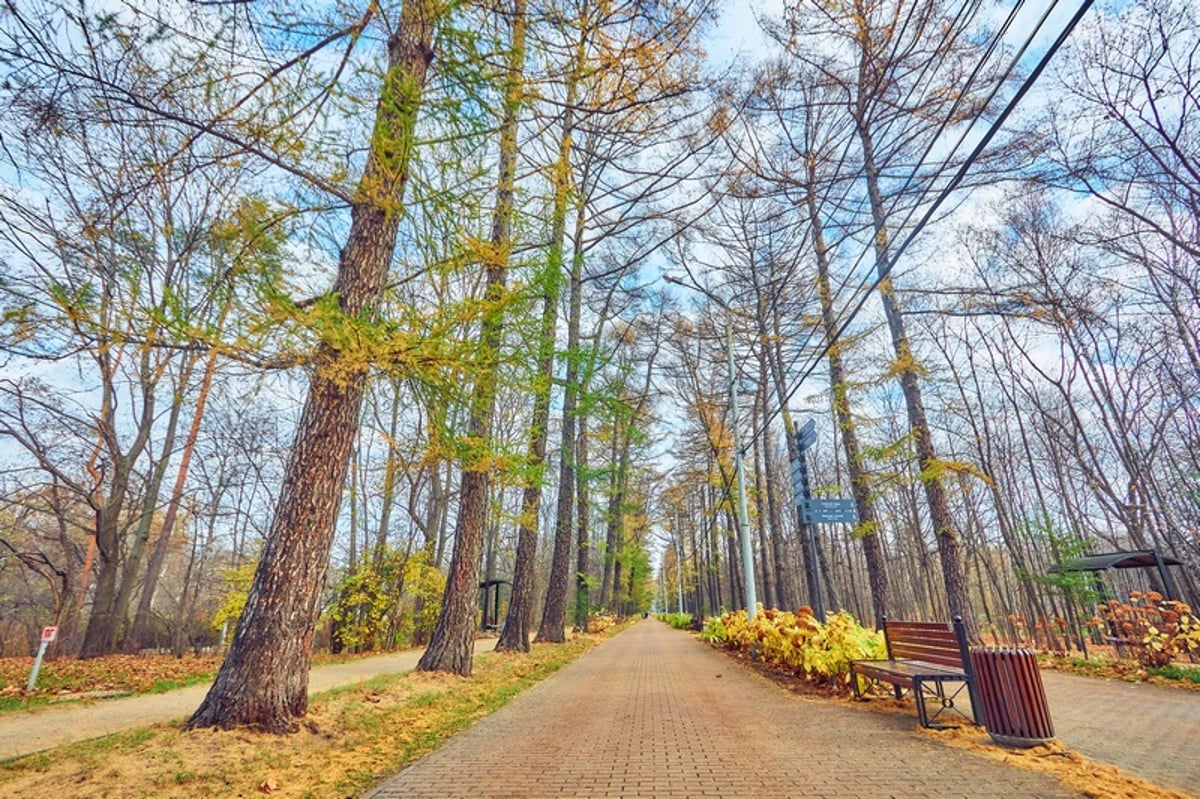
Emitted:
<point x="739" y="467"/>
<point x="678" y="561"/>
<point x="740" y="470"/>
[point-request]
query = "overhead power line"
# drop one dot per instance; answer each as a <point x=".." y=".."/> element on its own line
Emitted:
<point x="943" y="195"/>
<point x="950" y="35"/>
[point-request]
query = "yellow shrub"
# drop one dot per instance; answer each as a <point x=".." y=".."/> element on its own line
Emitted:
<point x="798" y="643"/>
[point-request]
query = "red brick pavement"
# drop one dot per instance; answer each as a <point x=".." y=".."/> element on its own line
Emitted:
<point x="654" y="713"/>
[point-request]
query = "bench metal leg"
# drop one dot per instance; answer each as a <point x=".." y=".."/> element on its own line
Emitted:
<point x="945" y="702"/>
<point x="897" y="689"/>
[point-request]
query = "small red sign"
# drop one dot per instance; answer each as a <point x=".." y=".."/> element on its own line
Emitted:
<point x="49" y="634"/>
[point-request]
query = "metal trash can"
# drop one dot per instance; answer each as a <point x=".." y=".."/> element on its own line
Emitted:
<point x="1014" y="708"/>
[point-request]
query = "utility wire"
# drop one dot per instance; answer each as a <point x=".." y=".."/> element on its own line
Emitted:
<point x="953" y="31"/>
<point x="898" y="195"/>
<point x="960" y="174"/>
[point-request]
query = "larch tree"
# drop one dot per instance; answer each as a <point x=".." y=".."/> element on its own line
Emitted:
<point x="451" y="646"/>
<point x="892" y="80"/>
<point x="263" y="682"/>
<point x="514" y="636"/>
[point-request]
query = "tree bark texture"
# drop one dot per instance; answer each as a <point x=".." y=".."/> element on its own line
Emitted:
<point x="613" y="531"/>
<point x="765" y="570"/>
<point x="554" y="616"/>
<point x="906" y="367"/>
<point x="868" y="526"/>
<point x="451" y="647"/>
<point x="263" y="683"/>
<point x="582" y="537"/>
<point x="103" y="621"/>
<point x="514" y="637"/>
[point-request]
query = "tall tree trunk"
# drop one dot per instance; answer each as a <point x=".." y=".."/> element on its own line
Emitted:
<point x="553" y="626"/>
<point x="515" y="634"/>
<point x="609" y="584"/>
<point x="140" y="634"/>
<point x="737" y="590"/>
<point x="582" y="539"/>
<point x="451" y="645"/>
<point x="263" y="682"/>
<point x="514" y="637"/>
<point x="387" y="494"/>
<point x="102" y="623"/>
<point x="133" y="561"/>
<point x="701" y="606"/>
<point x="100" y="636"/>
<point x="906" y="369"/>
<point x="439" y="515"/>
<point x="784" y="592"/>
<point x="867" y="529"/>
<point x="710" y="514"/>
<point x="770" y="598"/>
<point x="773" y="339"/>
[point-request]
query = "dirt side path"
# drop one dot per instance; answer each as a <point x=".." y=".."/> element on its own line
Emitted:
<point x="26" y="733"/>
<point x="655" y="713"/>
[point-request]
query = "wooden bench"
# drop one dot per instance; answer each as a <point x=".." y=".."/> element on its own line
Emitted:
<point x="923" y="657"/>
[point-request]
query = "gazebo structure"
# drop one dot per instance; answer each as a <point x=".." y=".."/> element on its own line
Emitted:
<point x="490" y="593"/>
<point x="1128" y="559"/>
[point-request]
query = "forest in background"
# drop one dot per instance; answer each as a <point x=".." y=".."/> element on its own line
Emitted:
<point x="449" y="292"/>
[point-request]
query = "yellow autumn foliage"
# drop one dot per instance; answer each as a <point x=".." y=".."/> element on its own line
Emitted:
<point x="798" y="642"/>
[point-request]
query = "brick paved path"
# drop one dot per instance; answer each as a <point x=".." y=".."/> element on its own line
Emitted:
<point x="654" y="713"/>
<point x="1147" y="730"/>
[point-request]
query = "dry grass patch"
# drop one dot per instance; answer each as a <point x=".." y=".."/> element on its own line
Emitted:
<point x="352" y="738"/>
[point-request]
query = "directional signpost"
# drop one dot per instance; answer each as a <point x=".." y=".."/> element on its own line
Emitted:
<point x="829" y="511"/>
<point x="800" y="480"/>
<point x="806" y="436"/>
<point x="815" y="511"/>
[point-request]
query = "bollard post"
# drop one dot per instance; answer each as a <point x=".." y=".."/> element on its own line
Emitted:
<point x="48" y="636"/>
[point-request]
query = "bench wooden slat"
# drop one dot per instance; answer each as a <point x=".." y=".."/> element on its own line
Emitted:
<point x="933" y="637"/>
<point x="908" y="667"/>
<point x="920" y="654"/>
<point x="918" y="626"/>
<point x="941" y="637"/>
<point x="951" y="659"/>
<point x="933" y="646"/>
